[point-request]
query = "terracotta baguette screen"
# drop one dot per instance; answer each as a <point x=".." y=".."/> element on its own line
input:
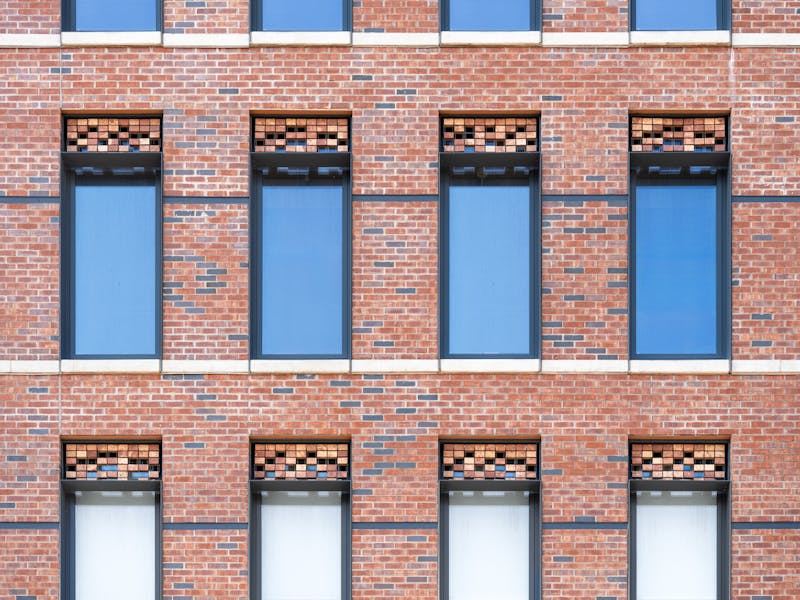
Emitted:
<point x="489" y="461"/>
<point x="301" y="461"/>
<point x="312" y="134"/>
<point x="679" y="134"/>
<point x="113" y="460"/>
<point x="489" y="134"/>
<point x="113" y="134"/>
<point x="679" y="460"/>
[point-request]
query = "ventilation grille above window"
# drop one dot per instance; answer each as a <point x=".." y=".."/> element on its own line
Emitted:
<point x="489" y="461"/>
<point x="301" y="461"/>
<point x="113" y="134"/>
<point x="678" y="134"/>
<point x="124" y="461"/>
<point x="679" y="460"/>
<point x="301" y="134"/>
<point x="489" y="134"/>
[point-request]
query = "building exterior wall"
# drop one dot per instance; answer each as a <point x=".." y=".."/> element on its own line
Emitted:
<point x="394" y="96"/>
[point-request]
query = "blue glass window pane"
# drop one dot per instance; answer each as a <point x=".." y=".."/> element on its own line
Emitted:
<point x="301" y="291"/>
<point x="499" y="15"/>
<point x="489" y="248"/>
<point x="115" y="276"/>
<point x="676" y="15"/>
<point x="303" y="15"/>
<point x="116" y="15"/>
<point x="676" y="269"/>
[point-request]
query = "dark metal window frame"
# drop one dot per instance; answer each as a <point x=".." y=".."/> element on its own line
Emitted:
<point x="508" y="485"/>
<point x="298" y="485"/>
<point x="722" y="487"/>
<point x="534" y="25"/>
<point x="69" y="16"/>
<point x="127" y="167"/>
<point x="67" y="510"/>
<point x="455" y="161"/>
<point x="257" y="16"/>
<point x="307" y="166"/>
<point x="723" y="17"/>
<point x="674" y="168"/>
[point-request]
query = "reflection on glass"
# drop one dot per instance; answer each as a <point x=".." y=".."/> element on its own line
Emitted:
<point x="114" y="270"/>
<point x="117" y="15"/>
<point x="302" y="285"/>
<point x="489" y="254"/>
<point x="676" y="15"/>
<point x="500" y="15"/>
<point x="676" y="269"/>
<point x="302" y="15"/>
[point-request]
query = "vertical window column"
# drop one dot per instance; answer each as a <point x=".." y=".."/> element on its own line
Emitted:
<point x="300" y="521"/>
<point x="111" y="521"/>
<point x="680" y="521"/>
<point x="490" y="521"/>
<point x="680" y="238"/>
<point x="111" y="238"/>
<point x="490" y="224"/>
<point x="300" y="251"/>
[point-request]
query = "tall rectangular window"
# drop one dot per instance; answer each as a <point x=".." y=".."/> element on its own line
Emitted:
<point x="111" y="239"/>
<point x="679" y="242"/>
<point x="119" y="15"/>
<point x="111" y="521"/>
<point x="301" y="249"/>
<point x="300" y="15"/>
<point x="502" y="15"/>
<point x="490" y="544"/>
<point x="490" y="224"/>
<point x="680" y="15"/>
<point x="679" y="521"/>
<point x="300" y="520"/>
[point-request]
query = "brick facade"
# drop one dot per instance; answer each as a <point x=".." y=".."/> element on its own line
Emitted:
<point x="395" y="423"/>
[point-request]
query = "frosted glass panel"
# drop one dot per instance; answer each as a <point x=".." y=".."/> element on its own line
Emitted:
<point x="115" y="545"/>
<point x="676" y="546"/>
<point x="301" y="545"/>
<point x="488" y="545"/>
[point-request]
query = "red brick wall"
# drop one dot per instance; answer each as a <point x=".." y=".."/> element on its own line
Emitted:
<point x="395" y="97"/>
<point x="208" y="16"/>
<point x="765" y="16"/>
<point x="766" y="303"/>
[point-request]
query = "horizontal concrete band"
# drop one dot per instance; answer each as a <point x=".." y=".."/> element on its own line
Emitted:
<point x="522" y="366"/>
<point x="590" y="39"/>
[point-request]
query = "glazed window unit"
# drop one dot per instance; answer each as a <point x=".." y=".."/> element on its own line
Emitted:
<point x="111" y="521"/>
<point x="490" y="224"/>
<point x="680" y="521"/>
<point x="502" y="15"/>
<point x="300" y="521"/>
<point x="111" y="238"/>
<point x="120" y="15"/>
<point x="301" y="192"/>
<point x="300" y="15"/>
<point x="679" y="238"/>
<point x="490" y="521"/>
<point x="680" y="15"/>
